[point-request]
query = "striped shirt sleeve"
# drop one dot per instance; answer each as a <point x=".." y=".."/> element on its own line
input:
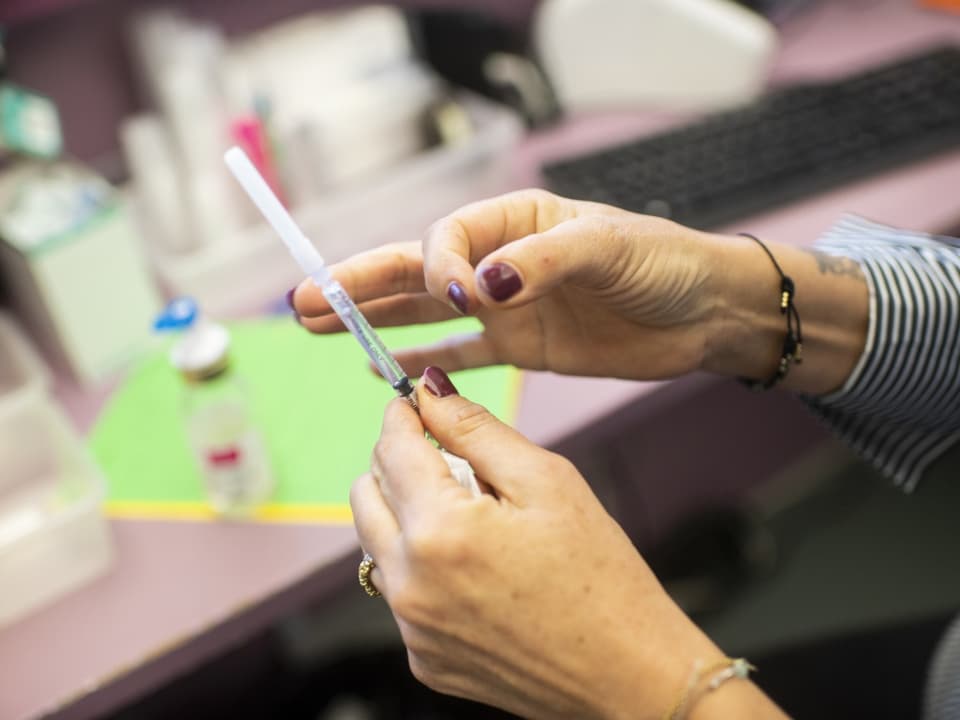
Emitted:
<point x="900" y="407"/>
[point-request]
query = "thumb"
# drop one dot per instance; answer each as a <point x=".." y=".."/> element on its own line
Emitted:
<point x="584" y="251"/>
<point x="500" y="455"/>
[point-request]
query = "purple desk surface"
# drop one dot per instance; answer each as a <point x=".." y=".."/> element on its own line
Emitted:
<point x="181" y="592"/>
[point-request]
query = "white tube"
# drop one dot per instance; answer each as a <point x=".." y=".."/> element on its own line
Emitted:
<point x="276" y="214"/>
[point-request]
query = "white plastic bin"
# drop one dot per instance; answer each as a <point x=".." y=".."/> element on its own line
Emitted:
<point x="53" y="535"/>
<point x="24" y="377"/>
<point x="255" y="268"/>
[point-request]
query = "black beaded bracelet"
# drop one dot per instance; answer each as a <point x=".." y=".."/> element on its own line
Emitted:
<point x="793" y="341"/>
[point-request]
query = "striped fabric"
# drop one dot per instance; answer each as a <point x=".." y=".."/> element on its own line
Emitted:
<point x="900" y="408"/>
<point x="941" y="699"/>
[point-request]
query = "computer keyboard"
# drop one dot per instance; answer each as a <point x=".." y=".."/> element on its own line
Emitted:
<point x="786" y="145"/>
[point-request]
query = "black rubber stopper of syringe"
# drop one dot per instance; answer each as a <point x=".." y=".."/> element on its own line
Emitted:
<point x="403" y="386"/>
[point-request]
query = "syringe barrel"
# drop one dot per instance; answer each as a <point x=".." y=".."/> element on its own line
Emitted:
<point x="358" y="325"/>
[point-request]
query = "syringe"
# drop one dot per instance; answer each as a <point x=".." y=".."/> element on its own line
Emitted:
<point x="312" y="264"/>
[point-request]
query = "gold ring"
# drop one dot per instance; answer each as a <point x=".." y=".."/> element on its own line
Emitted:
<point x="363" y="574"/>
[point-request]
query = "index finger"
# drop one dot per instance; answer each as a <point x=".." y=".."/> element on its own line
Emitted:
<point x="411" y="470"/>
<point x="384" y="271"/>
<point x="455" y="244"/>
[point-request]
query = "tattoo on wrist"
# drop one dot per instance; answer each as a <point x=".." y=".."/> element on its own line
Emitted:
<point x="835" y="264"/>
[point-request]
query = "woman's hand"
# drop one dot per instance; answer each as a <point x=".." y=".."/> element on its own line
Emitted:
<point x="573" y="287"/>
<point x="587" y="289"/>
<point x="531" y="598"/>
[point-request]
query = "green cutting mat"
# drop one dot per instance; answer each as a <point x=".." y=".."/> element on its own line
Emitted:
<point x="316" y="402"/>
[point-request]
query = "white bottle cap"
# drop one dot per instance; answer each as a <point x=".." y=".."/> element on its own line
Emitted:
<point x="202" y="352"/>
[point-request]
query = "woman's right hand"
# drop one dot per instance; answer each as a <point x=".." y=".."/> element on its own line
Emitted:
<point x="528" y="597"/>
<point x="572" y="287"/>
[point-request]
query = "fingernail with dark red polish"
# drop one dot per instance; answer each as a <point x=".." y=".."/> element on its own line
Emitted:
<point x="289" y="297"/>
<point x="500" y="281"/>
<point x="437" y="383"/>
<point x="458" y="297"/>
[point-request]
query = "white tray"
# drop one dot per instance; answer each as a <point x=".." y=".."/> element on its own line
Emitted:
<point x="53" y="535"/>
<point x="24" y="378"/>
<point x="255" y="270"/>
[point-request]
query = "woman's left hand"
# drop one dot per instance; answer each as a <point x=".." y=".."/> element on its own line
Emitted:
<point x="531" y="598"/>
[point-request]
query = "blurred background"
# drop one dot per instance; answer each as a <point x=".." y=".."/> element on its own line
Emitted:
<point x="167" y="545"/>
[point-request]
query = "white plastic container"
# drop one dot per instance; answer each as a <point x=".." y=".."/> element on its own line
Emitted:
<point x="355" y="132"/>
<point x="24" y="377"/>
<point x="254" y="269"/>
<point x="53" y="535"/>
